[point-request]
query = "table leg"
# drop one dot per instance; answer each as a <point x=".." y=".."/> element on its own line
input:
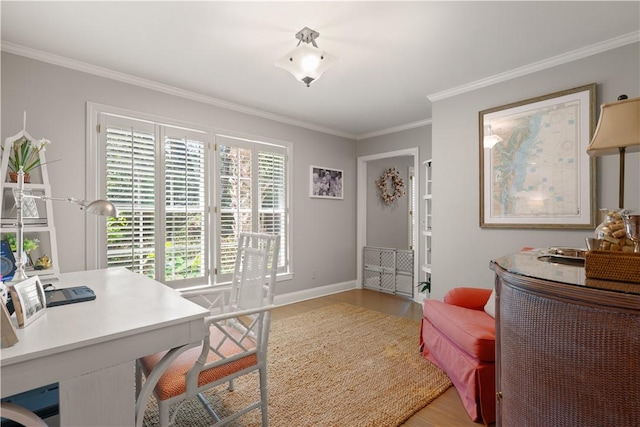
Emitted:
<point x="102" y="398"/>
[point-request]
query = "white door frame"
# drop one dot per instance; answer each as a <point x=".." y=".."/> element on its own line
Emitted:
<point x="361" y="225"/>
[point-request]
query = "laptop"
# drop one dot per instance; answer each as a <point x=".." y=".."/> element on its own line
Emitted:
<point x="72" y="295"/>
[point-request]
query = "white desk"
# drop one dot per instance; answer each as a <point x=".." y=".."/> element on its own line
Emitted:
<point x="90" y="348"/>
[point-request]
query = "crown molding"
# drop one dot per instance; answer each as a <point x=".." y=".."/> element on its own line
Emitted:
<point x="564" y="58"/>
<point x="171" y="90"/>
<point x="577" y="54"/>
<point x="393" y="129"/>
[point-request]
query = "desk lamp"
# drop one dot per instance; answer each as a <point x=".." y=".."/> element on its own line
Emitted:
<point x="618" y="131"/>
<point x="97" y="207"/>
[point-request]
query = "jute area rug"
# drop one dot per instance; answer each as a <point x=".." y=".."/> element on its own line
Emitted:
<point x="340" y="365"/>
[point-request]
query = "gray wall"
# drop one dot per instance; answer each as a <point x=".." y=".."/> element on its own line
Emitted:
<point x="388" y="225"/>
<point x="55" y="101"/>
<point x="417" y="137"/>
<point x="461" y="249"/>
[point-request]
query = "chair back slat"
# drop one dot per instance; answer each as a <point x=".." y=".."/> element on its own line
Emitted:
<point x="255" y="271"/>
<point x="250" y="291"/>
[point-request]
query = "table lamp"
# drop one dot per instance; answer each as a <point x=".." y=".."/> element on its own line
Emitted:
<point x="618" y="131"/>
<point x="97" y="207"/>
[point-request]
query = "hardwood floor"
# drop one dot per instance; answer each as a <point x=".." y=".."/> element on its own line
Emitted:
<point x="444" y="411"/>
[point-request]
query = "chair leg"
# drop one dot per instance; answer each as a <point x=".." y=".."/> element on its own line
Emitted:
<point x="138" y="379"/>
<point x="21" y="415"/>
<point x="208" y="408"/>
<point x="263" y="396"/>
<point x="163" y="412"/>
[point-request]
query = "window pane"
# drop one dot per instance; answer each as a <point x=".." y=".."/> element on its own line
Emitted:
<point x="235" y="202"/>
<point x="130" y="160"/>
<point x="167" y="244"/>
<point x="159" y="178"/>
<point x="252" y="197"/>
<point x="185" y="249"/>
<point x="272" y="195"/>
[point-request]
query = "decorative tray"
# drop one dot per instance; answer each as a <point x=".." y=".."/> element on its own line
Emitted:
<point x="571" y="253"/>
<point x="568" y="256"/>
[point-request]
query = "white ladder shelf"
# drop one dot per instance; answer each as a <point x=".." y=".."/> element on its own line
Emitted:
<point x="37" y="213"/>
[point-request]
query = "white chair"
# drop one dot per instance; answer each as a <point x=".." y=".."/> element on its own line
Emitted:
<point x="21" y="415"/>
<point x="237" y="337"/>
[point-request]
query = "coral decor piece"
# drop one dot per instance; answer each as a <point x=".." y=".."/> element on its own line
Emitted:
<point x="387" y="194"/>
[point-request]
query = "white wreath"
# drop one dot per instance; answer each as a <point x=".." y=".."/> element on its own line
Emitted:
<point x="397" y="182"/>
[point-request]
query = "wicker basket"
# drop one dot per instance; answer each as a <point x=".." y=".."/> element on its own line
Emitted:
<point x="619" y="266"/>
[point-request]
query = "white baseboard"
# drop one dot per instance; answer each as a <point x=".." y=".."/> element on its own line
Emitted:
<point x="307" y="294"/>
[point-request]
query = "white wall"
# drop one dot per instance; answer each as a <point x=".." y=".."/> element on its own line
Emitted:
<point x="461" y="249"/>
<point x="323" y="237"/>
<point x="388" y="225"/>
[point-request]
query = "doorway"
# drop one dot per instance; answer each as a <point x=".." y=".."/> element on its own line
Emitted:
<point x="365" y="184"/>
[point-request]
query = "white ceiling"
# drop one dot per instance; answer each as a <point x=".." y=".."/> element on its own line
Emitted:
<point x="394" y="55"/>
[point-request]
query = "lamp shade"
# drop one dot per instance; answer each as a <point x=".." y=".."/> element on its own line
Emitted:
<point x="618" y="127"/>
<point x="307" y="63"/>
<point x="103" y="208"/>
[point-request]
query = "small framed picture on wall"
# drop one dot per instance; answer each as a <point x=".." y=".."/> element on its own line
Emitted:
<point x="326" y="183"/>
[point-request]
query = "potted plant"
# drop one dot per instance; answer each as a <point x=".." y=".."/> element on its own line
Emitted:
<point x="25" y="155"/>
<point x="425" y="287"/>
<point x="28" y="245"/>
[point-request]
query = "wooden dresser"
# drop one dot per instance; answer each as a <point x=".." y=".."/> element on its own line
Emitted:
<point x="567" y="347"/>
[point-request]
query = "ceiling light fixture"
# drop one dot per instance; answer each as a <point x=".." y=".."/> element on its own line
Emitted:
<point x="306" y="62"/>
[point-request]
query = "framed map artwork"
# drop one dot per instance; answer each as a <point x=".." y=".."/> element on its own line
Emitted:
<point x="534" y="168"/>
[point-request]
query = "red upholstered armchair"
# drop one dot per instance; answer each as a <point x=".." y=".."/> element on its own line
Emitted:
<point x="459" y="336"/>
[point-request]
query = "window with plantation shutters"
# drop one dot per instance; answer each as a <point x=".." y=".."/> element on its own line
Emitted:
<point x="272" y="212"/>
<point x="130" y="148"/>
<point x="181" y="203"/>
<point x="185" y="251"/>
<point x="252" y="196"/>
<point x="235" y="203"/>
<point x="156" y="177"/>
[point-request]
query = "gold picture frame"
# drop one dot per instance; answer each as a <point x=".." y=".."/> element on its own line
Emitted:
<point x="534" y="168"/>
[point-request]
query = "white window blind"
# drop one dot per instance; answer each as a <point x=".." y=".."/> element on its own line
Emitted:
<point x="185" y="249"/>
<point x="272" y="198"/>
<point x="181" y="204"/>
<point x="130" y="166"/>
<point x="252" y="196"/>
<point x="160" y="192"/>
